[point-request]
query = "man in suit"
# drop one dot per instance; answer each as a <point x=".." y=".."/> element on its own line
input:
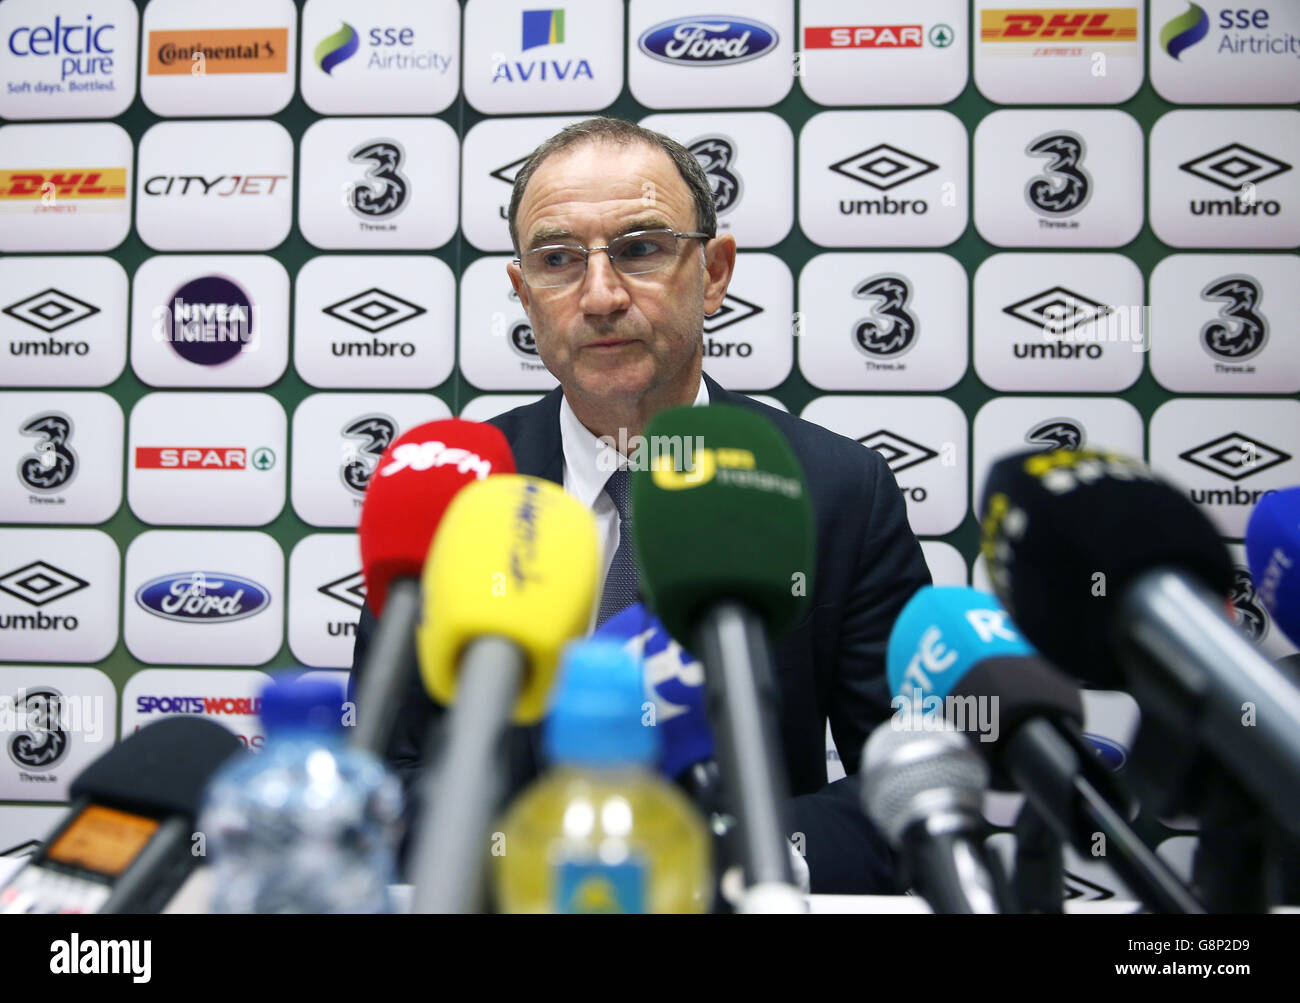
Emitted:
<point x="619" y="262"/>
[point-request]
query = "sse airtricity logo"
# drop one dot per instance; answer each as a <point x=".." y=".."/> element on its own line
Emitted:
<point x="202" y="597"/>
<point x="708" y="41"/>
<point x="1182" y="32"/>
<point x="334" y="49"/>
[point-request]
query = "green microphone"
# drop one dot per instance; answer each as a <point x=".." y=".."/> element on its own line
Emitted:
<point x="725" y="539"/>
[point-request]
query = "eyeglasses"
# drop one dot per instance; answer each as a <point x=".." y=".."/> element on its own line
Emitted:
<point x="632" y="254"/>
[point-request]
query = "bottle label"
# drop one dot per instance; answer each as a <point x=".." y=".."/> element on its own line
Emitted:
<point x="587" y="886"/>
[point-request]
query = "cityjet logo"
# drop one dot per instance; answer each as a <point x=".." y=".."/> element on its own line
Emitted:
<point x="708" y="41"/>
<point x="202" y="597"/>
<point x="1240" y="170"/>
<point x="427" y="455"/>
<point x="197" y="185"/>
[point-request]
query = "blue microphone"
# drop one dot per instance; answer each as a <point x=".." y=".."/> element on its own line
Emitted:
<point x="1273" y="552"/>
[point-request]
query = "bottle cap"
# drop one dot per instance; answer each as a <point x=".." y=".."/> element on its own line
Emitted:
<point x="598" y="717"/>
<point x="302" y="704"/>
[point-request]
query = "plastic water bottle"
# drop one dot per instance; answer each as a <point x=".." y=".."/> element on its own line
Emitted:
<point x="602" y="831"/>
<point x="308" y="826"/>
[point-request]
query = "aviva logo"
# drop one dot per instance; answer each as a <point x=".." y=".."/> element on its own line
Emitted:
<point x="334" y="49"/>
<point x="1185" y="30"/>
<point x="543" y="27"/>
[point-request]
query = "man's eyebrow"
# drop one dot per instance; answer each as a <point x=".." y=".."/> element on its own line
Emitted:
<point x="553" y="234"/>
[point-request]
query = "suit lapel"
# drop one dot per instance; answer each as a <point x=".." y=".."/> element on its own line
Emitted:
<point x="537" y="446"/>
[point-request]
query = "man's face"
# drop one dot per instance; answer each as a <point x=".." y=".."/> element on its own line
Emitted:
<point x="613" y="336"/>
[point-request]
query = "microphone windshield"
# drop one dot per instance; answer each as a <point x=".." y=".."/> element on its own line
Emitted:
<point x="1064" y="533"/>
<point x="516" y="558"/>
<point x="162" y="769"/>
<point x="412" y="485"/>
<point x="722" y="513"/>
<point x="1273" y="551"/>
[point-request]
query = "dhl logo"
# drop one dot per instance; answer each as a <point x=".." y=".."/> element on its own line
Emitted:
<point x="1097" y="24"/>
<point x="91" y="183"/>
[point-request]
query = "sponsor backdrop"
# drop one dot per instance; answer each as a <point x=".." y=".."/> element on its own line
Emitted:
<point x="244" y="245"/>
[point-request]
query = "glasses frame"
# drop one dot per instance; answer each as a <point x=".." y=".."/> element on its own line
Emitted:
<point x="588" y="251"/>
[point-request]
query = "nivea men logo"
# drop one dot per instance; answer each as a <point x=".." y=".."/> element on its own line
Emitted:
<point x="207" y="321"/>
<point x="717" y="155"/>
<point x="1064" y="187"/>
<point x="52" y="464"/>
<point x="365" y="440"/>
<point x="712" y="40"/>
<point x="1240" y="331"/>
<point x="1057" y="433"/>
<point x="890" y="330"/>
<point x="40" y="741"/>
<point x="1247" y="611"/>
<point x="1234" y="456"/>
<point x="1112" y="755"/>
<point x="202" y="597"/>
<point x="1238" y="169"/>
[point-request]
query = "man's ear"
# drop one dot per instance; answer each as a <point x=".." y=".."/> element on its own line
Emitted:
<point x="719" y="263"/>
<point x="521" y="287"/>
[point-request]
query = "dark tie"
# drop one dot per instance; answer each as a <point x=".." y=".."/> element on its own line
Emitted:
<point x="621" y="581"/>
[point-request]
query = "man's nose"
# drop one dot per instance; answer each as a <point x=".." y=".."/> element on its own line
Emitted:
<point x="603" y="290"/>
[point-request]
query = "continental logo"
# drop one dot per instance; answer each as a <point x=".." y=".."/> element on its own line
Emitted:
<point x="1093" y="24"/>
<point x="218" y="50"/>
<point x="732" y="467"/>
<point x="36" y="184"/>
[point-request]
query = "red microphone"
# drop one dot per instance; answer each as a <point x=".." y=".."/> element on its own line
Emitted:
<point x="410" y="489"/>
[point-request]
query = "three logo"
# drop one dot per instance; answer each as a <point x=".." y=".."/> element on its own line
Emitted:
<point x="890" y="330"/>
<point x="53" y="463"/>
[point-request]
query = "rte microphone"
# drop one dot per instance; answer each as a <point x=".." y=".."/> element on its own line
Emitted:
<point x="1273" y="552"/>
<point x="412" y="485"/>
<point x="510" y="580"/>
<point x="1103" y="565"/>
<point x="955" y="653"/>
<point x="923" y="790"/>
<point x="126" y="844"/>
<point x="720" y="545"/>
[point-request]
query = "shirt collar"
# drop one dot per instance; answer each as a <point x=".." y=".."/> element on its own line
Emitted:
<point x="588" y="462"/>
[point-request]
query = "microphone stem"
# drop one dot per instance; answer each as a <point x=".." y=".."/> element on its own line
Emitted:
<point x="464" y="786"/>
<point x="742" y="695"/>
<point x="389" y="660"/>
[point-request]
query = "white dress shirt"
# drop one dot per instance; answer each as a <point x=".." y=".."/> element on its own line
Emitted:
<point x="588" y="462"/>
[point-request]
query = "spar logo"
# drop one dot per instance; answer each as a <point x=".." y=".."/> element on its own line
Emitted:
<point x="714" y="40"/>
<point x="202" y="597"/>
<point x="869" y="36"/>
<point x="1095" y="24"/>
<point x="202" y="458"/>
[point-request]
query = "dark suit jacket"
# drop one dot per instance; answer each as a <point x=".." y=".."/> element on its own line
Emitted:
<point x="829" y="665"/>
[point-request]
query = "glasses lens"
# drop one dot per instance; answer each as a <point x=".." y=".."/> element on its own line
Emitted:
<point x="648" y="251"/>
<point x="554" y="266"/>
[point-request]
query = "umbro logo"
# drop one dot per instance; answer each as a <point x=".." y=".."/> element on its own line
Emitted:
<point x="1235" y="165"/>
<point x="899" y="453"/>
<point x="350" y="590"/>
<point x="374" y="310"/>
<point x="1235" y="456"/>
<point x="50" y="310"/>
<point x="733" y="310"/>
<point x="39" y="583"/>
<point x="884" y="167"/>
<point x="1057" y="310"/>
<point x="507" y="172"/>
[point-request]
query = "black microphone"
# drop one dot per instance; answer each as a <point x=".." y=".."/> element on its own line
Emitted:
<point x="1118" y="578"/>
<point x="126" y="845"/>
<point x="923" y="790"/>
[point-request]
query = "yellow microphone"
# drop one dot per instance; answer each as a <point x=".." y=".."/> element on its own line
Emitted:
<point x="510" y="579"/>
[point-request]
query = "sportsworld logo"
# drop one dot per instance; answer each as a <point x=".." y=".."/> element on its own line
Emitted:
<point x="708" y="41"/>
<point x="202" y="597"/>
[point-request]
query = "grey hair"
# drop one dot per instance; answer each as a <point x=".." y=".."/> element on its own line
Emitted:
<point x="623" y="133"/>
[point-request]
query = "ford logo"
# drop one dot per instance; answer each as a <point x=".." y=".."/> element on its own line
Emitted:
<point x="710" y="40"/>
<point x="1112" y="755"/>
<point x="202" y="597"/>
